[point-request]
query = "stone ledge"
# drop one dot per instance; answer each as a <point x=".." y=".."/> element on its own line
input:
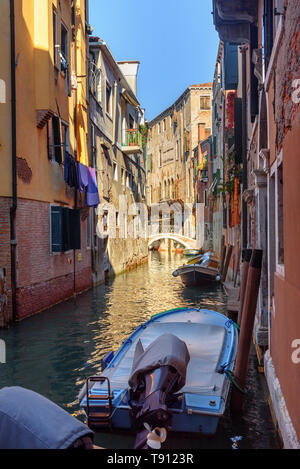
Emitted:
<point x="287" y="430"/>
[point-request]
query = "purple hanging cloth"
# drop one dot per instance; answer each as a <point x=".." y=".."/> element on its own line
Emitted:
<point x="82" y="177"/>
<point x="92" y="193"/>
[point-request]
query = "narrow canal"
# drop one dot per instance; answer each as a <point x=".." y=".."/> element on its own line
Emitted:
<point x="52" y="353"/>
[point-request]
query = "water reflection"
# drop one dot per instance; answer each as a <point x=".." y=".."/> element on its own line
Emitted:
<point x="53" y="352"/>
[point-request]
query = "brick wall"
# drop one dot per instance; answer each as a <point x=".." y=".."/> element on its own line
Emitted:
<point x="5" y="293"/>
<point x="43" y="278"/>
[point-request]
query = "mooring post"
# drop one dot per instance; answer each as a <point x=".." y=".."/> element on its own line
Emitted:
<point x="226" y="265"/>
<point x="223" y="254"/>
<point x="246" y="257"/>
<point x="248" y="316"/>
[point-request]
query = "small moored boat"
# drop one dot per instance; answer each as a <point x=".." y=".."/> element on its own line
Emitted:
<point x="191" y="252"/>
<point x="172" y="373"/>
<point x="201" y="270"/>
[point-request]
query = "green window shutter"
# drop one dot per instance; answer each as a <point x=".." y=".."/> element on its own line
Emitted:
<point x="57" y="139"/>
<point x="66" y="229"/>
<point x="56" y="229"/>
<point x="75" y="237"/>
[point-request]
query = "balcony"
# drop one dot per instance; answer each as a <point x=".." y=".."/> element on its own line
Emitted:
<point x="133" y="142"/>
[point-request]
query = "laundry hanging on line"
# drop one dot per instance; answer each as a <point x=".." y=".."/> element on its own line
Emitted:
<point x="83" y="178"/>
<point x="70" y="171"/>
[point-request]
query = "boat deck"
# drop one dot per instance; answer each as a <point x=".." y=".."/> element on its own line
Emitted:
<point x="205" y="343"/>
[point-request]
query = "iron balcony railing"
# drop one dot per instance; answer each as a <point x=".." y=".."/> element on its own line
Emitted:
<point x="133" y="138"/>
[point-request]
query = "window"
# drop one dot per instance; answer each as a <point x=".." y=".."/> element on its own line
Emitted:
<point x="131" y="122"/>
<point x="105" y="220"/>
<point x="176" y="150"/>
<point x="268" y="30"/>
<point x="95" y="80"/>
<point x="164" y="125"/>
<point x="64" y="48"/>
<point x="58" y="139"/>
<point x="123" y="176"/>
<point x="117" y="220"/>
<point x="65" y="137"/>
<point x="55" y="44"/>
<point x="65" y="229"/>
<point x="108" y="99"/>
<point x="89" y="231"/>
<point x="279" y="218"/>
<point x="158" y="128"/>
<point x="205" y="102"/>
<point x="127" y="179"/>
<point x="98" y="93"/>
<point x="93" y="162"/>
<point x="159" y="158"/>
<point x="54" y="140"/>
<point x="115" y="169"/>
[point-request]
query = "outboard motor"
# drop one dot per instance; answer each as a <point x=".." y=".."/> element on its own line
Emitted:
<point x="157" y="374"/>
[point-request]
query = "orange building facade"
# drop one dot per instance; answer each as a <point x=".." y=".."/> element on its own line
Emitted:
<point x="267" y="35"/>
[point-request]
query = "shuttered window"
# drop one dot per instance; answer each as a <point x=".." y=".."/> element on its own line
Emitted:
<point x="268" y="31"/>
<point x="253" y="78"/>
<point x="231" y="72"/>
<point x="65" y="229"/>
<point x="56" y="229"/>
<point x="57" y="139"/>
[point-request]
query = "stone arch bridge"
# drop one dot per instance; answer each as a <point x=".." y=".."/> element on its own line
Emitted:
<point x="188" y="243"/>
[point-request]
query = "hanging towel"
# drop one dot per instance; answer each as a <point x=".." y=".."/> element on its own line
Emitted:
<point x="82" y="177"/>
<point x="92" y="194"/>
<point x="70" y="171"/>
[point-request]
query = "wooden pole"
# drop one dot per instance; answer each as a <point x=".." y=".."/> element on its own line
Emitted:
<point x="226" y="265"/>
<point x="223" y="254"/>
<point x="237" y="268"/>
<point x="248" y="316"/>
<point x="246" y="257"/>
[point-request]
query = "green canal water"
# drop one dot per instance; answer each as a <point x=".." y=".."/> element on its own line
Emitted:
<point x="55" y="351"/>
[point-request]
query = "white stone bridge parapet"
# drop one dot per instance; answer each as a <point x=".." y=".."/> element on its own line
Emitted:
<point x="188" y="243"/>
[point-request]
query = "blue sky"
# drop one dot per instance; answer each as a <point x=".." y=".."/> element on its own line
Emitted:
<point x="175" y="42"/>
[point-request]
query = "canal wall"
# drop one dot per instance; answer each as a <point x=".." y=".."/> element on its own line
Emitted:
<point x="124" y="255"/>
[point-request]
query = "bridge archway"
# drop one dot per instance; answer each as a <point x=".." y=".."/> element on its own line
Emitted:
<point x="188" y="243"/>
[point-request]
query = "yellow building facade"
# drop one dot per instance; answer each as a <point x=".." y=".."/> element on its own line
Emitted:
<point x="50" y="54"/>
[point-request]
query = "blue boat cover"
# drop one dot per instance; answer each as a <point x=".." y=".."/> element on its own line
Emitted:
<point x="30" y="421"/>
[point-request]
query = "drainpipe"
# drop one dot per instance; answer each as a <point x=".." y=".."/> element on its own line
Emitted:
<point x="115" y="113"/>
<point x="244" y="140"/>
<point x="13" y="209"/>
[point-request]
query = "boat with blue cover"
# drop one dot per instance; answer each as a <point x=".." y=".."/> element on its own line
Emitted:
<point x="171" y="374"/>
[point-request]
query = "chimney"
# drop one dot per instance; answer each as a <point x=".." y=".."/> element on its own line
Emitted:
<point x="129" y="68"/>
